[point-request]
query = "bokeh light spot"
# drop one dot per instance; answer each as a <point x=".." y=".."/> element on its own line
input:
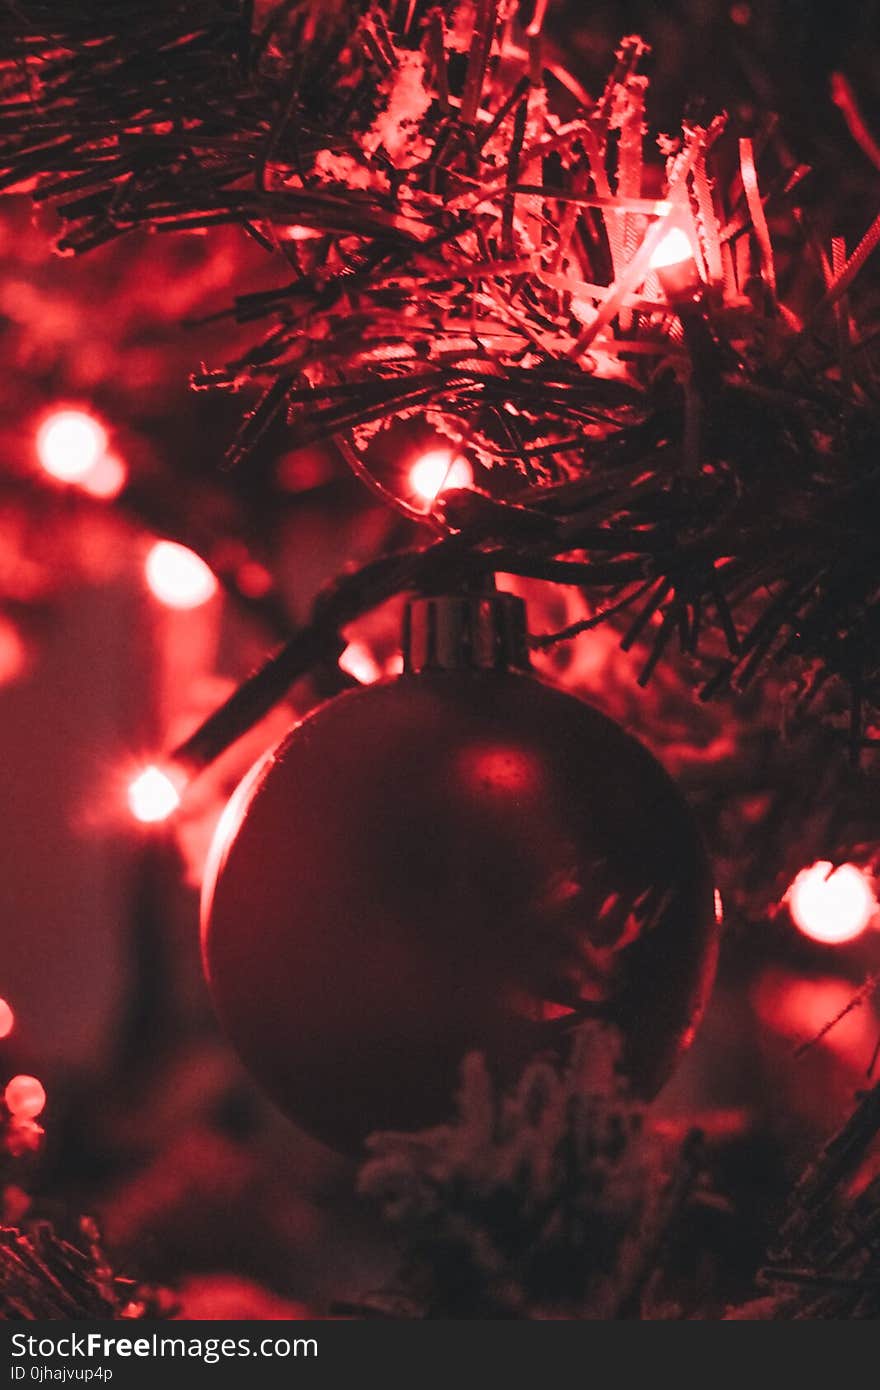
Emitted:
<point x="831" y="905"/>
<point x="178" y="577"/>
<point x="70" y="443"/>
<point x="7" y="1019"/>
<point x="253" y="579"/>
<point x="106" y="478"/>
<point x="13" y="655"/>
<point x="153" y="795"/>
<point x="25" y="1097"/>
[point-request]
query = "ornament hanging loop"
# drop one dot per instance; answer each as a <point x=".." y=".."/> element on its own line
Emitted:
<point x="465" y="632"/>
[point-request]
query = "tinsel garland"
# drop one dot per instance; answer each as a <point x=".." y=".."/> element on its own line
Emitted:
<point x="466" y="234"/>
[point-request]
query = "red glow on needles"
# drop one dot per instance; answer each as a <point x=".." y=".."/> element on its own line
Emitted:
<point x="70" y="443"/>
<point x="154" y="795"/>
<point x="831" y="906"/>
<point x="178" y="577"/>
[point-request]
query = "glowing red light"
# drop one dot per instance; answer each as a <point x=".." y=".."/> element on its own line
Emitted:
<point x="153" y="795"/>
<point x="12" y="652"/>
<point x="831" y="905"/>
<point x="253" y="579"/>
<point x="439" y="471"/>
<point x="800" y="1008"/>
<point x="671" y="249"/>
<point x="500" y="770"/>
<point x="70" y="443"/>
<point x="296" y="232"/>
<point x="548" y="1011"/>
<point x="106" y="478"/>
<point x="7" y="1019"/>
<point x="178" y="577"/>
<point x="358" y="661"/>
<point x="24" y="1097"/>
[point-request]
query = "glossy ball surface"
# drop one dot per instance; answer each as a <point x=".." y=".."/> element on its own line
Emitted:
<point x="448" y="862"/>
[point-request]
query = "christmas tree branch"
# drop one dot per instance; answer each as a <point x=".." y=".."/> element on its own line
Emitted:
<point x="452" y="247"/>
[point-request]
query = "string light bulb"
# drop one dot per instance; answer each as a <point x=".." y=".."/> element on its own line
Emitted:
<point x="675" y="266"/>
<point x="70" y="443"/>
<point x="358" y="661"/>
<point x="178" y="577"/>
<point x="154" y="795"/>
<point x="7" y="1019"/>
<point x="672" y="248"/>
<point x="831" y="905"/>
<point x="439" y="471"/>
<point x="295" y="231"/>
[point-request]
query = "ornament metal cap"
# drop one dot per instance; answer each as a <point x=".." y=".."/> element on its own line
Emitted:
<point x="465" y="632"/>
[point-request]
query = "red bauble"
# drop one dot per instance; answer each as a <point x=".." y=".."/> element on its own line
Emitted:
<point x="453" y="860"/>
